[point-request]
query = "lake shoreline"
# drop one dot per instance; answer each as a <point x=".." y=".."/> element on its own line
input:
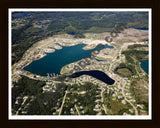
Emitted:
<point x="40" y="47"/>
<point x="145" y="65"/>
<point x="70" y="54"/>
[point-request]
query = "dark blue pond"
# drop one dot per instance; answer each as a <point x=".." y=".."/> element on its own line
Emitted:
<point x="145" y="65"/>
<point x="142" y="28"/>
<point x="95" y="73"/>
<point x="20" y="15"/>
<point x="72" y="33"/>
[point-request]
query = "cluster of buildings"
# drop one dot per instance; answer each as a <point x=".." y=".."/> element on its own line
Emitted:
<point x="48" y="88"/>
<point x="22" y="64"/>
<point x="23" y="107"/>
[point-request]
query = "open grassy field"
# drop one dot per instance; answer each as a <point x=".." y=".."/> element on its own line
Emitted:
<point x="124" y="72"/>
<point x="115" y="106"/>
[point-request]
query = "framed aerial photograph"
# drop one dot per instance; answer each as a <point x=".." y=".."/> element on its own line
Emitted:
<point x="85" y="64"/>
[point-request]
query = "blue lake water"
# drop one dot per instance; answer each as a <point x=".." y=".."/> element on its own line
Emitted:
<point x="145" y="65"/>
<point x="72" y="33"/>
<point x="53" y="62"/>
<point x="20" y="15"/>
<point x="142" y="28"/>
<point x="97" y="74"/>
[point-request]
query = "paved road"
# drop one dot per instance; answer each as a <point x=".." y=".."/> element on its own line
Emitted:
<point x="62" y="103"/>
<point x="21" y="106"/>
<point x="104" y="109"/>
<point x="115" y="60"/>
<point x="136" y="112"/>
<point x="102" y="90"/>
<point x="77" y="109"/>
